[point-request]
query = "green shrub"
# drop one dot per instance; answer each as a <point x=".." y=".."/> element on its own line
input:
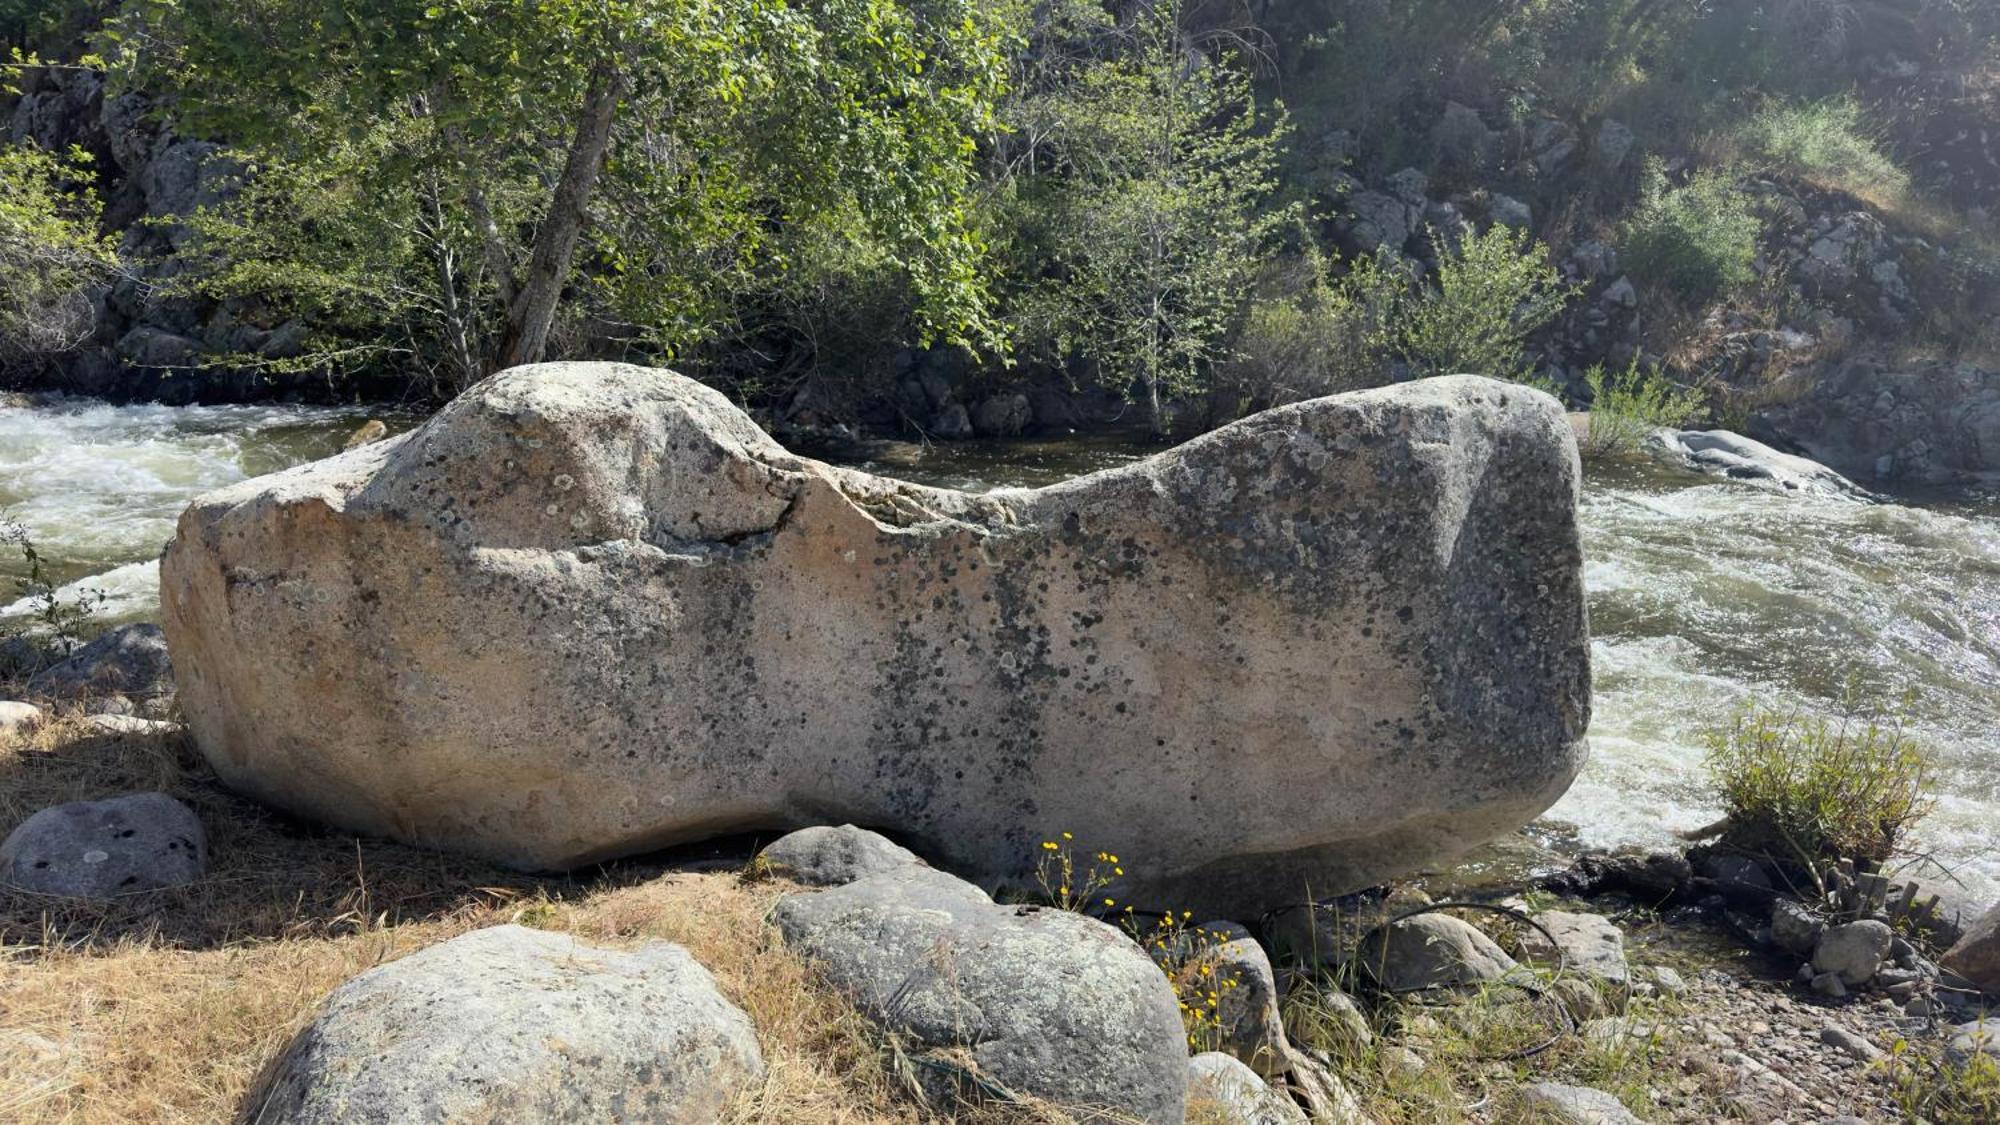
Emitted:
<point x="1929" y="1086"/>
<point x="1494" y="290"/>
<point x="54" y="625"/>
<point x="1312" y="334"/>
<point x="1806" y="789"/>
<point x="1826" y="142"/>
<point x="1626" y="406"/>
<point x="1698" y="239"/>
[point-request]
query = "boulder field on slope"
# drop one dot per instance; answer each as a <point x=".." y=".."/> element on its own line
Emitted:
<point x="590" y="610"/>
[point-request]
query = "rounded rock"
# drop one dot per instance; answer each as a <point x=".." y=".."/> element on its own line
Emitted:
<point x="98" y="849"/>
<point x="519" y="1025"/>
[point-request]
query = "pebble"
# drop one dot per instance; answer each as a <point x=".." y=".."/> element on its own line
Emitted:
<point x="1833" y="1035"/>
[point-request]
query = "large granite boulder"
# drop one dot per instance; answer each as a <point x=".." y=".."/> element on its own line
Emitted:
<point x="589" y="610"/>
<point x="521" y="1025"/>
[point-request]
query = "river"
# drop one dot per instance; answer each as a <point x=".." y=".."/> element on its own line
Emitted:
<point x="1704" y="595"/>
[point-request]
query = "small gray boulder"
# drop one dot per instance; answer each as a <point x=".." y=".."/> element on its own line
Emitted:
<point x="1795" y="927"/>
<point x="1977" y="1037"/>
<point x="1572" y="1105"/>
<point x="1002" y="415"/>
<point x="97" y="849"/>
<point x="1854" y="951"/>
<point x="830" y="857"/>
<point x="1430" y="951"/>
<point x="1235" y="1093"/>
<point x="1041" y="1002"/>
<point x="1252" y="1028"/>
<point x="130" y="660"/>
<point x="1590" y="944"/>
<point x="518" y="1025"/>
<point x="16" y="716"/>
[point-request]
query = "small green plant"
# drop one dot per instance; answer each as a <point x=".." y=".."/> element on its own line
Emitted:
<point x="1071" y="884"/>
<point x="1626" y="406"/>
<point x="1926" y="1085"/>
<point x="1184" y="951"/>
<point x="1807" y="789"/>
<point x="55" y="623"/>
<point x="1181" y="948"/>
<point x="1825" y="142"/>
<point x="1698" y="239"/>
<point x="1494" y="290"/>
<point x="1319" y="335"/>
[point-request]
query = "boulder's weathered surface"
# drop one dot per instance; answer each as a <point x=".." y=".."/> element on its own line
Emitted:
<point x="1043" y="1002"/>
<point x="97" y="849"/>
<point x="1724" y="454"/>
<point x="590" y="609"/>
<point x="1976" y="955"/>
<point x="514" y="1024"/>
<point x="827" y="856"/>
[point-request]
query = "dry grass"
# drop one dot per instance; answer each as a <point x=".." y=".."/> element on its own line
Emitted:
<point x="168" y="1006"/>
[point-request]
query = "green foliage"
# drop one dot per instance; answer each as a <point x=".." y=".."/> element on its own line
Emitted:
<point x="55" y="625"/>
<point x="1310" y="333"/>
<point x="1494" y="290"/>
<point x="1826" y="142"/>
<point x="1323" y="334"/>
<point x="1804" y="789"/>
<point x="459" y="142"/>
<point x="1150" y="212"/>
<point x="1698" y="239"/>
<point x="1928" y="1086"/>
<point x="50" y="254"/>
<point x="1625" y="407"/>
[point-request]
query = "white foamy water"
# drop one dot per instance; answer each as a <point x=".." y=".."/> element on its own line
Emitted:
<point x="99" y="487"/>
<point x="1707" y="596"/>
<point x="1704" y="595"/>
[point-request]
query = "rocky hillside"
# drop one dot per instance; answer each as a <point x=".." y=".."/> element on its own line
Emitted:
<point x="1792" y="214"/>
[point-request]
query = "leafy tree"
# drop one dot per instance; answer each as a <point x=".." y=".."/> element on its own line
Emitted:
<point x="50" y="254"/>
<point x="485" y="149"/>
<point x="1148" y="206"/>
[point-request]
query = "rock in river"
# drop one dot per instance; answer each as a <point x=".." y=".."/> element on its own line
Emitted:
<point x="589" y="610"/>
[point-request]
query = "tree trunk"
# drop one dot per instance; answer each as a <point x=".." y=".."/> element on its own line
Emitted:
<point x="534" y="308"/>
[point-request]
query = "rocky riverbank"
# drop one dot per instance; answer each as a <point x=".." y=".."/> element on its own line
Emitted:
<point x="833" y="975"/>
